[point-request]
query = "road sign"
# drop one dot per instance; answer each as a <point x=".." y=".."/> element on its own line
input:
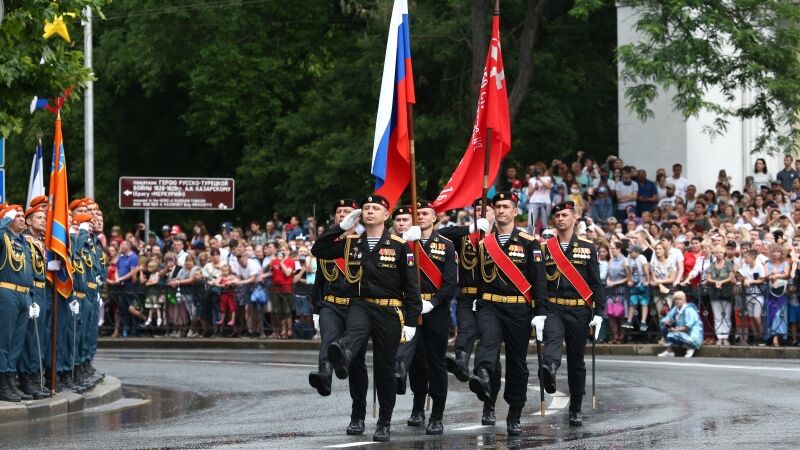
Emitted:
<point x="176" y="193"/>
<point x="2" y="151"/>
<point x="2" y="185"/>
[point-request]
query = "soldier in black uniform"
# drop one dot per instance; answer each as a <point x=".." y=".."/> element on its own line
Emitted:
<point x="505" y="306"/>
<point x="566" y="315"/>
<point x="402" y="225"/>
<point x="438" y="282"/>
<point x="388" y="302"/>
<point x="465" y="239"/>
<point x="332" y="294"/>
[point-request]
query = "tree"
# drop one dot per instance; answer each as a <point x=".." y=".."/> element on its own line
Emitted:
<point x="692" y="46"/>
<point x="22" y="76"/>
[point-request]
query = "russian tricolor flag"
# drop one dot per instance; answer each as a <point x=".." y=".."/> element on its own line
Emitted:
<point x="391" y="152"/>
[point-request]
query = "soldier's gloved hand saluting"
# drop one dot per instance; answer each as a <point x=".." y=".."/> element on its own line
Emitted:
<point x="596" y="322"/>
<point x="538" y="324"/>
<point x="350" y="220"/>
<point x="413" y="234"/>
<point x="481" y="225"/>
<point x="33" y="311"/>
<point x="10" y="214"/>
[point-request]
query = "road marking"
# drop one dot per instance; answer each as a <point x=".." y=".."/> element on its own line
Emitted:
<point x="286" y="364"/>
<point x="350" y="444"/>
<point x="703" y="365"/>
<point x="558" y="403"/>
<point x="204" y="361"/>
<point x="470" y="427"/>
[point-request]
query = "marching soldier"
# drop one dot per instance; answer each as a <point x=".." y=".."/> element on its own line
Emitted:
<point x="88" y="256"/>
<point x="438" y="282"/>
<point x="466" y="240"/>
<point x="102" y="272"/>
<point x="571" y="283"/>
<point x="403" y="225"/>
<point x="16" y="280"/>
<point x="509" y="261"/>
<point x="37" y="339"/>
<point x="333" y="295"/>
<point x="80" y="304"/>
<point x="383" y="270"/>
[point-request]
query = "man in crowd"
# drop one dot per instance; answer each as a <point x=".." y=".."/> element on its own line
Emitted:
<point x="677" y="180"/>
<point x="508" y="264"/>
<point x="787" y="176"/>
<point x="438" y="282"/>
<point x="647" y="193"/>
<point x="627" y="192"/>
<point x="383" y="268"/>
<point x="332" y="293"/>
<point x="571" y="284"/>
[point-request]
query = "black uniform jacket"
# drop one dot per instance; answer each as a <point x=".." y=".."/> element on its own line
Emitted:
<point x="524" y="251"/>
<point x="442" y="253"/>
<point x="583" y="255"/>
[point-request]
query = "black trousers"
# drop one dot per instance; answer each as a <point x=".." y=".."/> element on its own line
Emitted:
<point x="467" y="326"/>
<point x="570" y="324"/>
<point x="364" y="321"/>
<point x="509" y="324"/>
<point x="428" y="373"/>
<point x="332" y="320"/>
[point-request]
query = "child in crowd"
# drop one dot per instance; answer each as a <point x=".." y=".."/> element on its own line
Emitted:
<point x="753" y="277"/>
<point x="153" y="300"/>
<point x="639" y="293"/>
<point x="227" y="302"/>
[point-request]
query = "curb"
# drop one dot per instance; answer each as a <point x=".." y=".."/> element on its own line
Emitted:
<point x="109" y="391"/>
<point x="710" y="351"/>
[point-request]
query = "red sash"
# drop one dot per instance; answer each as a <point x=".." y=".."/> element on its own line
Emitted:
<point x="474" y="238"/>
<point x="569" y="271"/>
<point x="429" y="268"/>
<point x="340" y="264"/>
<point x="507" y="266"/>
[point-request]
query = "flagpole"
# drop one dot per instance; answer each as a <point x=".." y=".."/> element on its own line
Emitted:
<point x="487" y="150"/>
<point x="54" y="322"/>
<point x="413" y="163"/>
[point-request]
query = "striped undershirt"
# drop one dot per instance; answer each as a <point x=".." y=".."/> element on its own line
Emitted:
<point x="564" y="245"/>
<point x="372" y="242"/>
<point x="503" y="238"/>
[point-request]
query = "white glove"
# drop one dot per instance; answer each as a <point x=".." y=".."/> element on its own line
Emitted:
<point x="99" y="300"/>
<point x="409" y="333"/>
<point x="10" y="214"/>
<point x="86" y="226"/>
<point x="54" y="265"/>
<point x="482" y="225"/>
<point x="474" y="305"/>
<point x="413" y="234"/>
<point x="538" y="324"/>
<point x="426" y="307"/>
<point x="316" y="321"/>
<point x="33" y="311"/>
<point x="350" y="220"/>
<point x="595" y="324"/>
<point x="74" y="307"/>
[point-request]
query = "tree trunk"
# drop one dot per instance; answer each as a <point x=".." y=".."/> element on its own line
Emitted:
<point x="524" y="75"/>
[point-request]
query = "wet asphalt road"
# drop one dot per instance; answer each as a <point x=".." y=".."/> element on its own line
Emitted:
<point x="261" y="399"/>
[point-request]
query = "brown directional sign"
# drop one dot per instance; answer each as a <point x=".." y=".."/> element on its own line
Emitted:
<point x="176" y="193"/>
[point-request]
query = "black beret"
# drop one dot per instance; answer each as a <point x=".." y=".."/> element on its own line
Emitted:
<point x="425" y="204"/>
<point x="479" y="202"/>
<point x="564" y="205"/>
<point x="505" y="195"/>
<point x="377" y="199"/>
<point x="400" y="210"/>
<point x="345" y="203"/>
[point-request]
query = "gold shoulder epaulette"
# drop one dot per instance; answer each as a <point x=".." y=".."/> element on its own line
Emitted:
<point x="398" y="239"/>
<point x="445" y="239"/>
<point x="353" y="236"/>
<point x="580" y="238"/>
<point x="526" y="236"/>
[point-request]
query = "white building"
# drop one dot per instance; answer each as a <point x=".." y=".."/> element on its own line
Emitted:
<point x="668" y="138"/>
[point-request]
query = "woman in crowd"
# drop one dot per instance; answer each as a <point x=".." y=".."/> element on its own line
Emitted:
<point x="664" y="274"/>
<point x="175" y="312"/>
<point x="681" y="327"/>
<point x="617" y="280"/>
<point x="778" y="271"/>
<point x="720" y="281"/>
<point x="760" y="176"/>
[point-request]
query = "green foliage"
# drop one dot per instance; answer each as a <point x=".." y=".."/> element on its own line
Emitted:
<point x="692" y="46"/>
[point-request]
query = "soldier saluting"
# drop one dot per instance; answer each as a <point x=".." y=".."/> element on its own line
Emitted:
<point x="571" y="284"/>
<point x="508" y="260"/>
<point x="383" y="269"/>
<point x="333" y="295"/>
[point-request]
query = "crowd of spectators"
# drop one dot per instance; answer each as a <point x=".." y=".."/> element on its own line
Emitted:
<point x="729" y="257"/>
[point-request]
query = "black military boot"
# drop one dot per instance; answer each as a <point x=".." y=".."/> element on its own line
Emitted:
<point x="91" y="375"/>
<point x="339" y="358"/>
<point x="512" y="421"/>
<point x="547" y="373"/>
<point x="400" y="377"/>
<point x="382" y="433"/>
<point x="434" y="426"/>
<point x="99" y="375"/>
<point x="29" y="384"/>
<point x="39" y="385"/>
<point x="488" y="414"/>
<point x="479" y="384"/>
<point x="575" y="416"/>
<point x="458" y="366"/>
<point x="12" y="383"/>
<point x="321" y="380"/>
<point x="417" y="418"/>
<point x="356" y="426"/>
<point x="6" y="393"/>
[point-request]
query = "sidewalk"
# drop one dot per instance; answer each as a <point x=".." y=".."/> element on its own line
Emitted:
<point x="109" y="391"/>
<point x="710" y="351"/>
